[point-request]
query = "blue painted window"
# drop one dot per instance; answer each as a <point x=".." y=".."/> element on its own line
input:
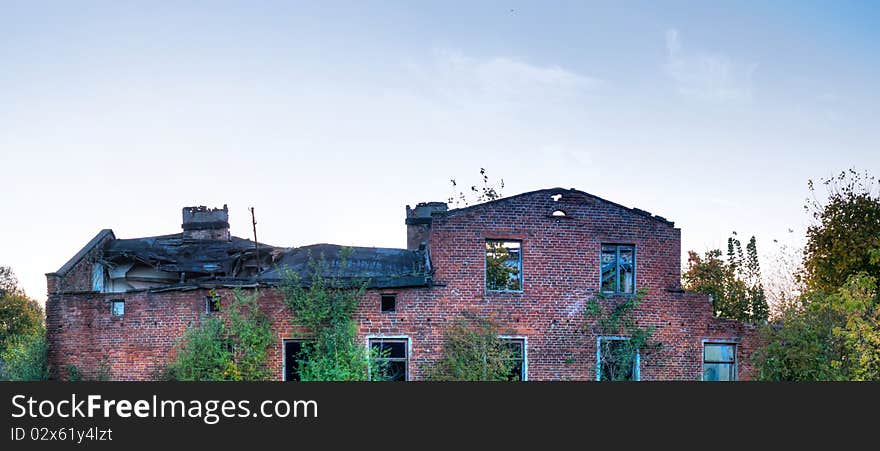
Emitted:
<point x="719" y="362"/>
<point x="503" y="265"/>
<point x="117" y="308"/>
<point x="617" y="360"/>
<point x="618" y="264"/>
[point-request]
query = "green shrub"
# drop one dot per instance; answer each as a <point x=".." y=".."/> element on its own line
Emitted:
<point x="231" y="347"/>
<point x="326" y="308"/>
<point x="472" y="351"/>
<point x="24" y="358"/>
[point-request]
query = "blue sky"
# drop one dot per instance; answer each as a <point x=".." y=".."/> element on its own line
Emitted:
<point x="329" y="117"/>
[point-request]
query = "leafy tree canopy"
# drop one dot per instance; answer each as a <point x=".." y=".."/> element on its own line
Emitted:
<point x="734" y="284"/>
<point x="22" y="333"/>
<point x="19" y="314"/>
<point x="833" y="331"/>
<point x="846" y="231"/>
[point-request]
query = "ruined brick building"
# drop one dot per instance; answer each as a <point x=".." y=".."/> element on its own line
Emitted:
<point x="121" y="304"/>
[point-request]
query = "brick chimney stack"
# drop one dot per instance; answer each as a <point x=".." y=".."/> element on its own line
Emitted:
<point x="418" y="222"/>
<point x="203" y="223"/>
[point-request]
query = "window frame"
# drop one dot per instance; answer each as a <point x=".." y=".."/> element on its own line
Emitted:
<point x="113" y="303"/>
<point x="522" y="283"/>
<point x="99" y="278"/>
<point x="734" y="364"/>
<point x="524" y="372"/>
<point x="393" y="338"/>
<point x="208" y="300"/>
<point x="637" y="371"/>
<point x="617" y="247"/>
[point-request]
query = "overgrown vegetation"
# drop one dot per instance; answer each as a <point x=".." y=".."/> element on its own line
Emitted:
<point x="735" y="284"/>
<point x="625" y="340"/>
<point x="846" y="233"/>
<point x="474" y="351"/>
<point x="832" y="331"/>
<point x="24" y="358"/>
<point x="22" y="332"/>
<point x="231" y="346"/>
<point x="324" y="305"/>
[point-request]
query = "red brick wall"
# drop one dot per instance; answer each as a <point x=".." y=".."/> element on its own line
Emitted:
<point x="79" y="277"/>
<point x="560" y="275"/>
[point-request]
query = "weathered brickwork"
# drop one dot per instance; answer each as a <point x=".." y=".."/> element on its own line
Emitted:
<point x="560" y="275"/>
<point x="78" y="277"/>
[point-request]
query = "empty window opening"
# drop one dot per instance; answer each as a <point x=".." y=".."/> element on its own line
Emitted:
<point x="293" y="359"/>
<point x="503" y="265"/>
<point x="618" y="265"/>
<point x="117" y="308"/>
<point x="516" y="358"/>
<point x="617" y="359"/>
<point x="212" y="303"/>
<point x="719" y="362"/>
<point x="556" y="197"/>
<point x="559" y="213"/>
<point x="388" y="303"/>
<point x="98" y="277"/>
<point x="391" y="358"/>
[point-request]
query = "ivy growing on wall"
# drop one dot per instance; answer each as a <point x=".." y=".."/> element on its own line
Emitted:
<point x="472" y="351"/>
<point x="626" y="341"/>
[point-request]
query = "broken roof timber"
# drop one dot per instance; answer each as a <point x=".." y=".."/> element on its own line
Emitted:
<point x="232" y="263"/>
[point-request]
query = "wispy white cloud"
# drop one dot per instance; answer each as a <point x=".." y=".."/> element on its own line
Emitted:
<point x="707" y="77"/>
<point x="500" y="81"/>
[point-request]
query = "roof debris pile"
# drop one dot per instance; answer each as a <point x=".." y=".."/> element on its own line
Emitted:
<point x="177" y="262"/>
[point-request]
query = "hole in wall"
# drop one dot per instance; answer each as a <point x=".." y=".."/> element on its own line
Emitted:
<point x="559" y="213"/>
<point x="556" y="197"/>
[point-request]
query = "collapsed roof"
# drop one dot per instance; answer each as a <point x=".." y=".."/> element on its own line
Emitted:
<point x="205" y="254"/>
<point x="174" y="261"/>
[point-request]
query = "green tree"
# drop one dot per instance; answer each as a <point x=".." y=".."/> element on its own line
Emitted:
<point x="228" y="347"/>
<point x="24" y="358"/>
<point x="847" y="228"/>
<point x="735" y="285"/>
<point x="826" y="336"/>
<point x="859" y="332"/>
<point x="19" y="315"/>
<point x="325" y="304"/>
<point x="8" y="281"/>
<point x="832" y="332"/>
<point x="22" y="332"/>
<point x="473" y="351"/>
<point x="799" y="344"/>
